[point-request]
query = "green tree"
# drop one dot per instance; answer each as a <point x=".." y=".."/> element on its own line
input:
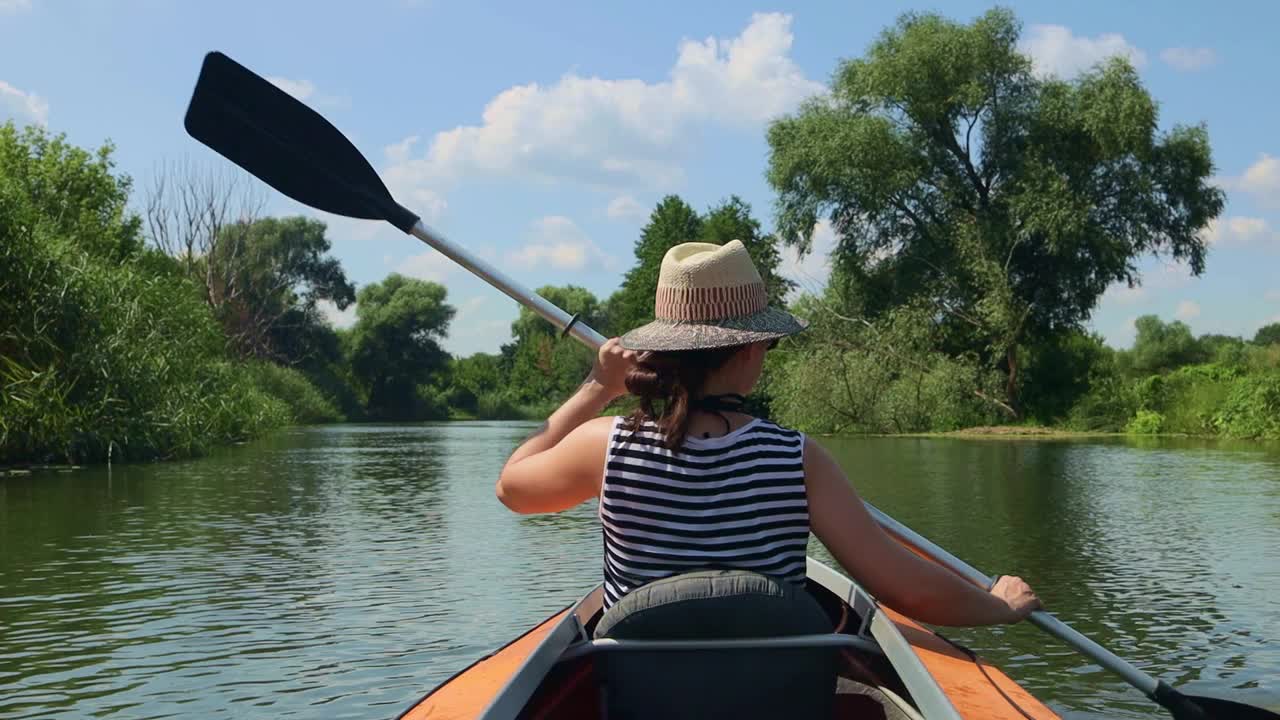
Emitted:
<point x="543" y="367"/>
<point x="262" y="276"/>
<point x="849" y="374"/>
<point x="1267" y="334"/>
<point x="1160" y="346"/>
<point x="731" y="220"/>
<point x="106" y="348"/>
<point x="473" y="378"/>
<point x="1226" y="350"/>
<point x="269" y="289"/>
<point x="1059" y="370"/>
<point x="69" y="193"/>
<point x="395" y="345"/>
<point x="1009" y="202"/>
<point x="671" y="223"/>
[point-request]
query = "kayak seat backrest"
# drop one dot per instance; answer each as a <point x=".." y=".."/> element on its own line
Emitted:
<point x="757" y="681"/>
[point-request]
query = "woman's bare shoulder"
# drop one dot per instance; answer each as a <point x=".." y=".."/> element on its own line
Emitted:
<point x="599" y="427"/>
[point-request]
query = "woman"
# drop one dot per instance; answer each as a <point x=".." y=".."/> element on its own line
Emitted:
<point x="692" y="481"/>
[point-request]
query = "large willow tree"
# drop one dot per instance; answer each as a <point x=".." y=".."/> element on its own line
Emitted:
<point x="958" y="179"/>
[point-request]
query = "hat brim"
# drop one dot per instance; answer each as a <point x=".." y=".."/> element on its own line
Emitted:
<point x="672" y="335"/>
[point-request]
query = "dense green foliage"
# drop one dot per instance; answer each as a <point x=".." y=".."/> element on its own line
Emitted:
<point x="1212" y="385"/>
<point x="307" y="405"/>
<point x="265" y="284"/>
<point x="981" y="211"/>
<point x="1268" y="334"/>
<point x="673" y="222"/>
<point x="106" y="349"/>
<point x="885" y="377"/>
<point x="957" y="179"/>
<point x="395" y="348"/>
<point x="542" y="368"/>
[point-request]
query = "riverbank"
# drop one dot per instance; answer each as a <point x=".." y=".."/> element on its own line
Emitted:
<point x="1032" y="432"/>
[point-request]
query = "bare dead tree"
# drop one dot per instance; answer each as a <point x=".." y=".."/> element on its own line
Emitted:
<point x="201" y="217"/>
<point x="193" y="213"/>
<point x="212" y="222"/>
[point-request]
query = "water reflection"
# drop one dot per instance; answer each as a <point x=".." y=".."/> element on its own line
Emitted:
<point x="342" y="571"/>
<point x="1164" y="554"/>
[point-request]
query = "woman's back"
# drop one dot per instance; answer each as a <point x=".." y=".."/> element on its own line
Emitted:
<point x="735" y="501"/>
<point x="674" y="500"/>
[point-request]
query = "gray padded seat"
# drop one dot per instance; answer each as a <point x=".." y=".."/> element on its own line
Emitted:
<point x="706" y="684"/>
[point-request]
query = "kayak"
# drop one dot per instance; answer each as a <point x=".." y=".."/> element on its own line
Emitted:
<point x="888" y="667"/>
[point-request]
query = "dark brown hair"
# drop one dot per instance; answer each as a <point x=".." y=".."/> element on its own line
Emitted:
<point x="666" y="383"/>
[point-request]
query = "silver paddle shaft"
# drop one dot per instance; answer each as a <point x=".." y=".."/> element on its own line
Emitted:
<point x="592" y="339"/>
<point x="1039" y="618"/>
<point x="495" y="277"/>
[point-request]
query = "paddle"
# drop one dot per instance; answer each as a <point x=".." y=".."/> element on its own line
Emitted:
<point x="296" y="151"/>
<point x="293" y="149"/>
<point x="1182" y="707"/>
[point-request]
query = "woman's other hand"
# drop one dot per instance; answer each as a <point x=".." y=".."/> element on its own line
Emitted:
<point x="1018" y="595"/>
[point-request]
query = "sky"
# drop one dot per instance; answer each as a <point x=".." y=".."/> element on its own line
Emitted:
<point x="539" y="135"/>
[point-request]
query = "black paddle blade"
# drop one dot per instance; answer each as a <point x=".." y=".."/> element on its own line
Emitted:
<point x="286" y="144"/>
<point x="1197" y="707"/>
<point x="1229" y="710"/>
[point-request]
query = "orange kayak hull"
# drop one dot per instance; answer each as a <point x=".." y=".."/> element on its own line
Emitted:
<point x="537" y="676"/>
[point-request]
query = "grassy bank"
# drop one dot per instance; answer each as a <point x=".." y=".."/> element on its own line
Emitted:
<point x="107" y="349"/>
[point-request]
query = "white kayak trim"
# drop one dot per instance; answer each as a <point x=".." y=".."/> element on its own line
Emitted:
<point x="929" y="698"/>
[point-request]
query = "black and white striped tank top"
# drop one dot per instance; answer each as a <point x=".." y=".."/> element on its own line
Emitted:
<point x="733" y="502"/>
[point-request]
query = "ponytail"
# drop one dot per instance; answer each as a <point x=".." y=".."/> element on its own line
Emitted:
<point x="667" y="383"/>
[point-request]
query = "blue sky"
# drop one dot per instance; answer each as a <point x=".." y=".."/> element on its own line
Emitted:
<point x="540" y="134"/>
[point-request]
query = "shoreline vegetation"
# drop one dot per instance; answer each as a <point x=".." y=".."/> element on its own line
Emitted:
<point x="980" y="211"/>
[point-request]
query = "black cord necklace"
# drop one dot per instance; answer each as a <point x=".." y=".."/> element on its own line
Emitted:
<point x="719" y="405"/>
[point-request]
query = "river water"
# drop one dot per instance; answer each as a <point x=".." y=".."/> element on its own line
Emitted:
<point x="343" y="571"/>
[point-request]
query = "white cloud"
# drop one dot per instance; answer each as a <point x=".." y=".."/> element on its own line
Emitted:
<point x="1159" y="277"/>
<point x="1272" y="295"/>
<point x="22" y="106"/>
<point x="1237" y="230"/>
<point x="559" y="243"/>
<point x="14" y="6"/>
<point x="1172" y="275"/>
<point x="399" y="153"/>
<point x="427" y="265"/>
<point x="1187" y="310"/>
<point x="334" y="316"/>
<point x="1189" y="59"/>
<point x="811" y="272"/>
<point x="1055" y="50"/>
<point x="624" y="207"/>
<point x="616" y="133"/>
<point x="1262" y="179"/>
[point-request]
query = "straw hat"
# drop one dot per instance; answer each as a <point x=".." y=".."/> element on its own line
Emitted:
<point x="710" y="296"/>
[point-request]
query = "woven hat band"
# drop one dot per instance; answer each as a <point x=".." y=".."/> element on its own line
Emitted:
<point x="700" y="304"/>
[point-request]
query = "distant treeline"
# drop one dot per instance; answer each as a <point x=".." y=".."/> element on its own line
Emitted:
<point x="980" y="210"/>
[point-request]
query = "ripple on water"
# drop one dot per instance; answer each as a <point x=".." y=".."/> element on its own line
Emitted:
<point x="343" y="571"/>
